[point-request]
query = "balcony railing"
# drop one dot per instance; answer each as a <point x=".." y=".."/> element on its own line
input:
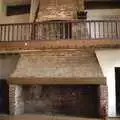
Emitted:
<point x="57" y="30"/>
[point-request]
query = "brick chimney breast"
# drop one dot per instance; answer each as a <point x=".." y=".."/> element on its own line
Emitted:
<point x="59" y="9"/>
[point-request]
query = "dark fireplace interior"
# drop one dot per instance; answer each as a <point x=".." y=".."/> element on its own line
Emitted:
<point x="4" y="97"/>
<point x="117" y="78"/>
<point x="67" y="100"/>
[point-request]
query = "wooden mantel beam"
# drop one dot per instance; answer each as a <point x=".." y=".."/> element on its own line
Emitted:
<point x="55" y="81"/>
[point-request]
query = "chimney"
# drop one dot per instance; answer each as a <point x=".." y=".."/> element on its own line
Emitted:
<point x="57" y="9"/>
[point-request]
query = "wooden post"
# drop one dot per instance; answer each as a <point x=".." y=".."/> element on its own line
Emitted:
<point x="34" y="6"/>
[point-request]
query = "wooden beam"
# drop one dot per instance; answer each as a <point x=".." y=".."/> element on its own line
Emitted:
<point x="16" y="47"/>
<point x="34" y="9"/>
<point x="55" y="81"/>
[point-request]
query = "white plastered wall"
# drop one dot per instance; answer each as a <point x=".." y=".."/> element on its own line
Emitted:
<point x="108" y="60"/>
<point x="103" y="14"/>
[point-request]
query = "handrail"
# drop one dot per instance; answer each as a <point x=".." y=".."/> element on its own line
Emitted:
<point x="49" y="21"/>
<point x="61" y="29"/>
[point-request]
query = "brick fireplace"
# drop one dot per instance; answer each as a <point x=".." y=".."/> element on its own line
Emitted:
<point x="58" y="82"/>
<point x="69" y="100"/>
<point x="79" y="100"/>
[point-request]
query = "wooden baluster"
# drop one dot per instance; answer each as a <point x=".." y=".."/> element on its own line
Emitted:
<point x="79" y="30"/>
<point x="89" y="28"/>
<point x="8" y="35"/>
<point x="107" y="28"/>
<point x="39" y="31"/>
<point x="111" y="31"/>
<point x="30" y="31"/>
<point x="116" y="26"/>
<point x="63" y="34"/>
<point x="94" y="30"/>
<point x="103" y="30"/>
<point x="4" y="32"/>
<point x="17" y="32"/>
<point x="0" y="32"/>
<point x="99" y="29"/>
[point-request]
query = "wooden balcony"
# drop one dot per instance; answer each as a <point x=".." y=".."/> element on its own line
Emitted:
<point x="52" y="34"/>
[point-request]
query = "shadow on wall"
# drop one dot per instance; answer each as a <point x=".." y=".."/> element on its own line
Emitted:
<point x="8" y="63"/>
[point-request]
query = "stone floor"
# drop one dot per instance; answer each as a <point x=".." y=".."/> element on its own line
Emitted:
<point x="114" y="119"/>
<point x="40" y="117"/>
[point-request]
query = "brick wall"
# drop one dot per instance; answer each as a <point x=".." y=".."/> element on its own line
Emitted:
<point x="103" y="94"/>
<point x="12" y="99"/>
<point x="16" y="102"/>
<point x="37" y="99"/>
<point x="19" y="102"/>
<point x="73" y="100"/>
<point x="59" y="9"/>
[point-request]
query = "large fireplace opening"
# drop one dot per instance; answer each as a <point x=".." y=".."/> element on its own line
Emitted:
<point x="67" y="100"/>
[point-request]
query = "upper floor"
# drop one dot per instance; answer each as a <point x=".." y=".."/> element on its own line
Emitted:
<point x="24" y="11"/>
<point x="28" y="21"/>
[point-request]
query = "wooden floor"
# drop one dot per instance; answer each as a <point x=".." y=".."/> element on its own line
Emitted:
<point x="40" y="117"/>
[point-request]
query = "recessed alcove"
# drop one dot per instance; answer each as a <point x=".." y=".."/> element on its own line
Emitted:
<point x="61" y="100"/>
